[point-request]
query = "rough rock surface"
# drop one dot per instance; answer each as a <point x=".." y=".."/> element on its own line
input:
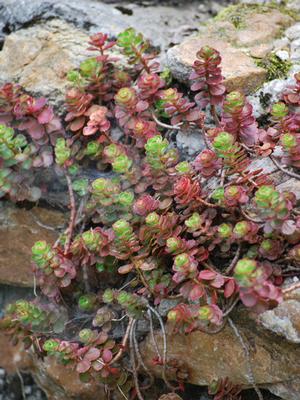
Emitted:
<point x="163" y="24"/>
<point x="61" y="383"/>
<point x="19" y="229"/>
<point x="16" y="14"/>
<point x="207" y="357"/>
<point x="254" y="38"/>
<point x="38" y="58"/>
<point x="12" y="357"/>
<point x="40" y="55"/>
<point x="284" y="320"/>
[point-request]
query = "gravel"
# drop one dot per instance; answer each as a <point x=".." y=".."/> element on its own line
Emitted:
<point x="19" y="387"/>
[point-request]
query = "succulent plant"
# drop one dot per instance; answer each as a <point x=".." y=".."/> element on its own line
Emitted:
<point x="150" y="224"/>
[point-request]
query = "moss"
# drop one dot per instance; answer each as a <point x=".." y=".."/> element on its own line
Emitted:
<point x="238" y="14"/>
<point x="275" y="67"/>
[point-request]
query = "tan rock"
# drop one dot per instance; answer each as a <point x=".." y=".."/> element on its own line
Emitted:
<point x="238" y="68"/>
<point x="19" y="229"/>
<point x="39" y="57"/>
<point x="62" y="383"/>
<point x="253" y="36"/>
<point x="13" y="358"/>
<point x="261" y="50"/>
<point x="262" y="28"/>
<point x="212" y="356"/>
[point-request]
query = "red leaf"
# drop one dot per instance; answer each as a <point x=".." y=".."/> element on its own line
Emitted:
<point x="83" y="366"/>
<point x="46" y="115"/>
<point x="77" y="124"/>
<point x="142" y="106"/>
<point x="229" y="288"/>
<point x="196" y="293"/>
<point x="107" y="356"/>
<point x="248" y="299"/>
<point x="92" y="354"/>
<point x="207" y="274"/>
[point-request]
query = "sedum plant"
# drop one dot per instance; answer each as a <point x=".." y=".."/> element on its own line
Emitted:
<point x="207" y="234"/>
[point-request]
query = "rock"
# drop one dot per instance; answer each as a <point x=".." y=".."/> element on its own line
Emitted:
<point x="237" y="38"/>
<point x="62" y="383"/>
<point x="293" y="32"/>
<point x="292" y="185"/>
<point x="40" y="55"/>
<point x="239" y="70"/>
<point x="163" y="24"/>
<point x="38" y="58"/>
<point x="190" y="142"/>
<point x="12" y="357"/>
<point x="16" y="14"/>
<point x="284" y="320"/>
<point x="295" y="45"/>
<point x="211" y="356"/>
<point x="283" y="55"/>
<point x="270" y="92"/>
<point x="19" y="229"/>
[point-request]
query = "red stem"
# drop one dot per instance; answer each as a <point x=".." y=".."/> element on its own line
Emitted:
<point x="124" y="342"/>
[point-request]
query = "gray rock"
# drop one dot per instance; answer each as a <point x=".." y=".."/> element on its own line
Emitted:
<point x="295" y="56"/>
<point x="283" y="320"/>
<point x="293" y="5"/>
<point x="190" y="142"/>
<point x="295" y="45"/>
<point x="27" y="390"/>
<point x="293" y="32"/>
<point x="166" y="305"/>
<point x="271" y="91"/>
<point x="281" y="44"/>
<point x="15" y="14"/>
<point x="289" y="391"/>
<point x="292" y="185"/>
<point x="283" y="55"/>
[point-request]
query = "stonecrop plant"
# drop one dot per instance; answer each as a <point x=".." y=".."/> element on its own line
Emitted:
<point x="201" y="235"/>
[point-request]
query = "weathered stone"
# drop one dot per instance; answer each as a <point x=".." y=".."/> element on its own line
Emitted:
<point x="254" y="37"/>
<point x="16" y="14"/>
<point x="284" y="320"/>
<point x="62" y="383"/>
<point x="13" y="358"/>
<point x="261" y="50"/>
<point x="271" y="92"/>
<point x="190" y="142"/>
<point x="283" y="55"/>
<point x="262" y="28"/>
<point x="293" y="32"/>
<point x="163" y="24"/>
<point x="238" y="68"/>
<point x="207" y="357"/>
<point x="292" y="185"/>
<point x="19" y="229"/>
<point x="39" y="57"/>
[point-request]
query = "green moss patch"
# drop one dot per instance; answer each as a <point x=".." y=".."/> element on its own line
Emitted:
<point x="238" y="14"/>
<point x="275" y="67"/>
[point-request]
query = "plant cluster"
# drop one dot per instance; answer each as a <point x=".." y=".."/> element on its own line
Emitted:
<point x="206" y="232"/>
<point x="28" y="131"/>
